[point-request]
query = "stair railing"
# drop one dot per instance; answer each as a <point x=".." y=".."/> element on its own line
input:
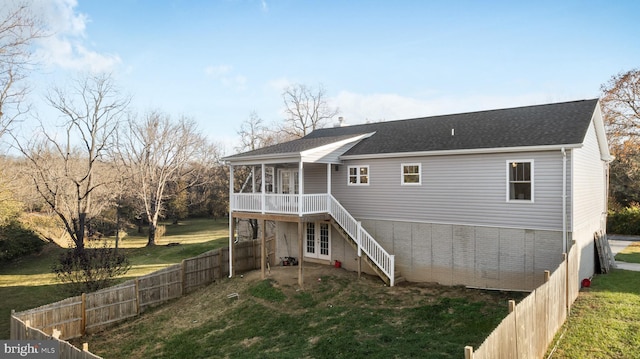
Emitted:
<point x="366" y="243"/>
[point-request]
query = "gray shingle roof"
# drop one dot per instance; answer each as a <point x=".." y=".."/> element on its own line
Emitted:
<point x="551" y="124"/>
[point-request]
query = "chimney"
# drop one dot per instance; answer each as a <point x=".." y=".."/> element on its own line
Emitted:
<point x="340" y="122"/>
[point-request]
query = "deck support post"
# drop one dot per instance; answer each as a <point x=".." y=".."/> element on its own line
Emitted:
<point x="263" y="248"/>
<point x="300" y="253"/>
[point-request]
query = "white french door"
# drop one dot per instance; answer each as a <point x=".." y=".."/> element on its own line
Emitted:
<point x="318" y="240"/>
<point x="288" y="181"/>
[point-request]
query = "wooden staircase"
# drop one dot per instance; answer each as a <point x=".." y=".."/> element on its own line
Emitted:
<point x="352" y="242"/>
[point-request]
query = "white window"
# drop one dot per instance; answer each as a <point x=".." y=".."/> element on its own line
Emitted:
<point x="411" y="173"/>
<point x="520" y="180"/>
<point x="358" y="175"/>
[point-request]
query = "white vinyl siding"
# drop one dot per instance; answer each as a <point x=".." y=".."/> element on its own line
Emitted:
<point x="589" y="181"/>
<point x="315" y="178"/>
<point x="358" y="176"/>
<point x="589" y="200"/>
<point x="463" y="189"/>
<point x="411" y="174"/>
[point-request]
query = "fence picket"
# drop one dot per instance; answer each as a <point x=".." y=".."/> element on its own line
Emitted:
<point x="537" y="318"/>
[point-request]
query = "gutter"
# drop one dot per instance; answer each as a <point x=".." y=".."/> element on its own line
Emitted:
<point x="462" y="151"/>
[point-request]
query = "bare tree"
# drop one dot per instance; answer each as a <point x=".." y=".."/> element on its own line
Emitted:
<point x="157" y="152"/>
<point x="68" y="165"/>
<point x="19" y="27"/>
<point x="306" y="109"/>
<point x="252" y="133"/>
<point x="621" y="109"/>
<point x="621" y="106"/>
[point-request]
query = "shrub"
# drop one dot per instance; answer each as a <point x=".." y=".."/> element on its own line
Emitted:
<point x="161" y="230"/>
<point x="17" y="241"/>
<point x="90" y="269"/>
<point x="625" y="220"/>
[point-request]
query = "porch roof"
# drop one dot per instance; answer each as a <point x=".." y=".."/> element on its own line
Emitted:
<point x="319" y="149"/>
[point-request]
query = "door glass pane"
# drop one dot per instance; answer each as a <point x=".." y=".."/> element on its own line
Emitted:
<point x="324" y="239"/>
<point x="311" y="238"/>
<point x="286" y="178"/>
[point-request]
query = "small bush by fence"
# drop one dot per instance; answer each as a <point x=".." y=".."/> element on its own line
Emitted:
<point x="92" y="312"/>
<point x="532" y="324"/>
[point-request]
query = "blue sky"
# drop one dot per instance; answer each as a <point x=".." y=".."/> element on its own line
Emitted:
<point x="217" y="61"/>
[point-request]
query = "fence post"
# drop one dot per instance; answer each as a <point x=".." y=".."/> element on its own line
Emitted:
<point x="83" y="320"/>
<point x="56" y="334"/>
<point x="85" y="347"/>
<point x="512" y="305"/>
<point x="183" y="268"/>
<point x="137" y="296"/>
<point x="468" y="352"/>
<point x="547" y="274"/>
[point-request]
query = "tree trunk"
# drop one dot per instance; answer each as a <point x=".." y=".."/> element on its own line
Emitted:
<point x="117" y="227"/>
<point x="79" y="241"/>
<point x="152" y="234"/>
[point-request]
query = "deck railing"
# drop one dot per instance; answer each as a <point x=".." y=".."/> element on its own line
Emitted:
<point x="318" y="203"/>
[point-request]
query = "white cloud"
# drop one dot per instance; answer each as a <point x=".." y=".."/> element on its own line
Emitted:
<point x="217" y="71"/>
<point x="264" y="6"/>
<point x="225" y="75"/>
<point x="66" y="46"/>
<point x="280" y="84"/>
<point x="361" y="108"/>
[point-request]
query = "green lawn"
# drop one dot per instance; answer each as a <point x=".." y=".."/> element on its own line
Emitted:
<point x="605" y="319"/>
<point x="631" y="254"/>
<point x="28" y="282"/>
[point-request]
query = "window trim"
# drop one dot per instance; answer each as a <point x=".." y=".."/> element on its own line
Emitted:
<point x="402" y="174"/>
<point x="508" y="181"/>
<point x="358" y="176"/>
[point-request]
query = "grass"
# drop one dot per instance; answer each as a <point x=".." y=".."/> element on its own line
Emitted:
<point x="28" y="282"/>
<point x="605" y="319"/>
<point x="631" y="254"/>
<point x="337" y="316"/>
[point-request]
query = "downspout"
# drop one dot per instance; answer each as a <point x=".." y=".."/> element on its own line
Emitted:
<point x="564" y="201"/>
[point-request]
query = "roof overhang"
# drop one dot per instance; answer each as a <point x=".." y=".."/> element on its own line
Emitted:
<point x="601" y="135"/>
<point x="329" y="153"/>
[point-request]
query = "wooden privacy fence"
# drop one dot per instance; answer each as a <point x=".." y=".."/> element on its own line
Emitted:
<point x="92" y="312"/>
<point x="530" y="327"/>
<point x="23" y="331"/>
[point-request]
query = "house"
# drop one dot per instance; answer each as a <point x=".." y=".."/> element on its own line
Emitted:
<point x="486" y="199"/>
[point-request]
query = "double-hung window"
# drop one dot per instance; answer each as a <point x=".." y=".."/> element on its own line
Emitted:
<point x="358" y="175"/>
<point x="520" y="180"/>
<point x="411" y="174"/>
